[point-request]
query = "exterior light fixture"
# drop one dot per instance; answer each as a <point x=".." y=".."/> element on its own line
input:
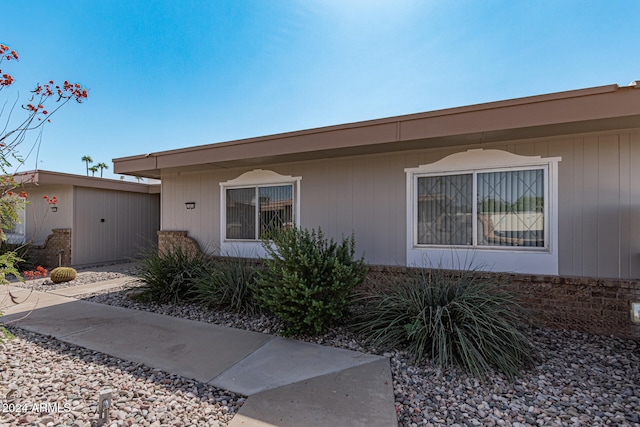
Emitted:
<point x="190" y="205"/>
<point x="54" y="209"/>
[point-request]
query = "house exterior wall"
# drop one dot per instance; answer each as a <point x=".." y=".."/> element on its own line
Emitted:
<point x="112" y="225"/>
<point x="40" y="220"/>
<point x="599" y="201"/>
<point x="337" y="212"/>
<point x="201" y="222"/>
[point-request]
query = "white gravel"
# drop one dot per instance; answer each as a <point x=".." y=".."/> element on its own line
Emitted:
<point x="46" y="382"/>
<point x="579" y="379"/>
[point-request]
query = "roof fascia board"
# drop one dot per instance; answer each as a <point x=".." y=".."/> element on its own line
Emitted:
<point x="530" y="112"/>
<point x="43" y="177"/>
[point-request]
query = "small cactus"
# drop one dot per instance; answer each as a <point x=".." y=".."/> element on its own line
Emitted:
<point x="62" y="274"/>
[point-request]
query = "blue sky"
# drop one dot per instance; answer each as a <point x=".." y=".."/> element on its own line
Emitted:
<point x="169" y="74"/>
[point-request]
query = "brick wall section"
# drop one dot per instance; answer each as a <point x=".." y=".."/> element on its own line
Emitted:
<point x="46" y="255"/>
<point x="169" y="239"/>
<point x="597" y="306"/>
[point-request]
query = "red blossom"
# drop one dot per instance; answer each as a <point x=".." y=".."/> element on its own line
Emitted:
<point x="6" y="79"/>
<point x="51" y="201"/>
<point x="65" y="93"/>
<point x="40" y="271"/>
<point x="37" y="109"/>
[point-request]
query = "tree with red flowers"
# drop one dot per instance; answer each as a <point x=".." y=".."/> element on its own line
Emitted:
<point x="44" y="101"/>
<point x="38" y="114"/>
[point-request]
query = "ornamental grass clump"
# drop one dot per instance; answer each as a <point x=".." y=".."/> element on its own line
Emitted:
<point x="227" y="285"/>
<point x="453" y="318"/>
<point x="169" y="276"/>
<point x="308" y="279"/>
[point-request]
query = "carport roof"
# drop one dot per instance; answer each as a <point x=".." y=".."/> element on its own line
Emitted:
<point x="43" y="177"/>
<point x="594" y="109"/>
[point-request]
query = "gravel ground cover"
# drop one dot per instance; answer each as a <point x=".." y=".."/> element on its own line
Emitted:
<point x="579" y="379"/>
<point x="85" y="276"/>
<point x="46" y="382"/>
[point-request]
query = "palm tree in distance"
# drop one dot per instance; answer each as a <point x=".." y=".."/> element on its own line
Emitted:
<point x="93" y="170"/>
<point x="102" y="166"/>
<point x="87" y="160"/>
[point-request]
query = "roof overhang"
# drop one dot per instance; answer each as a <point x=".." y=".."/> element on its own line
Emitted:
<point x="595" y="109"/>
<point x="47" y="178"/>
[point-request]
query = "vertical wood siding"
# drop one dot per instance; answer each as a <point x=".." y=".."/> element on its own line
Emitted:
<point x="131" y="221"/>
<point x="204" y="220"/>
<point x="599" y="200"/>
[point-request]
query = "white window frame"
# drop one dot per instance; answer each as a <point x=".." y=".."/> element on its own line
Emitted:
<point x="254" y="179"/>
<point x="516" y="259"/>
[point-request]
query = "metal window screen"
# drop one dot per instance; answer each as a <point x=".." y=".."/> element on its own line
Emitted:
<point x="241" y="213"/>
<point x="511" y="208"/>
<point x="273" y="210"/>
<point x="445" y="209"/>
<point x="276" y="208"/>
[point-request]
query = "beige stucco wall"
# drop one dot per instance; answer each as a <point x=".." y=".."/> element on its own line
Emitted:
<point x="599" y="200"/>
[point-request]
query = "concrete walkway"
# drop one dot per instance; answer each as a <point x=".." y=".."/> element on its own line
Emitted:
<point x="288" y="382"/>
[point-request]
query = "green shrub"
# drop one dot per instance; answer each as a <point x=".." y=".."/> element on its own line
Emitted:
<point x="227" y="285"/>
<point x="8" y="262"/>
<point x="453" y="318"/>
<point x="22" y="252"/>
<point x="169" y="277"/>
<point x="308" y="279"/>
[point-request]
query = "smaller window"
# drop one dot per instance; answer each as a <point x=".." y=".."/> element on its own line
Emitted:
<point x="257" y="203"/>
<point x="255" y="211"/>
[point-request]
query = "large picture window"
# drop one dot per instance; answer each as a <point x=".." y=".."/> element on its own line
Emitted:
<point x="484" y="209"/>
<point x="505" y="209"/>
